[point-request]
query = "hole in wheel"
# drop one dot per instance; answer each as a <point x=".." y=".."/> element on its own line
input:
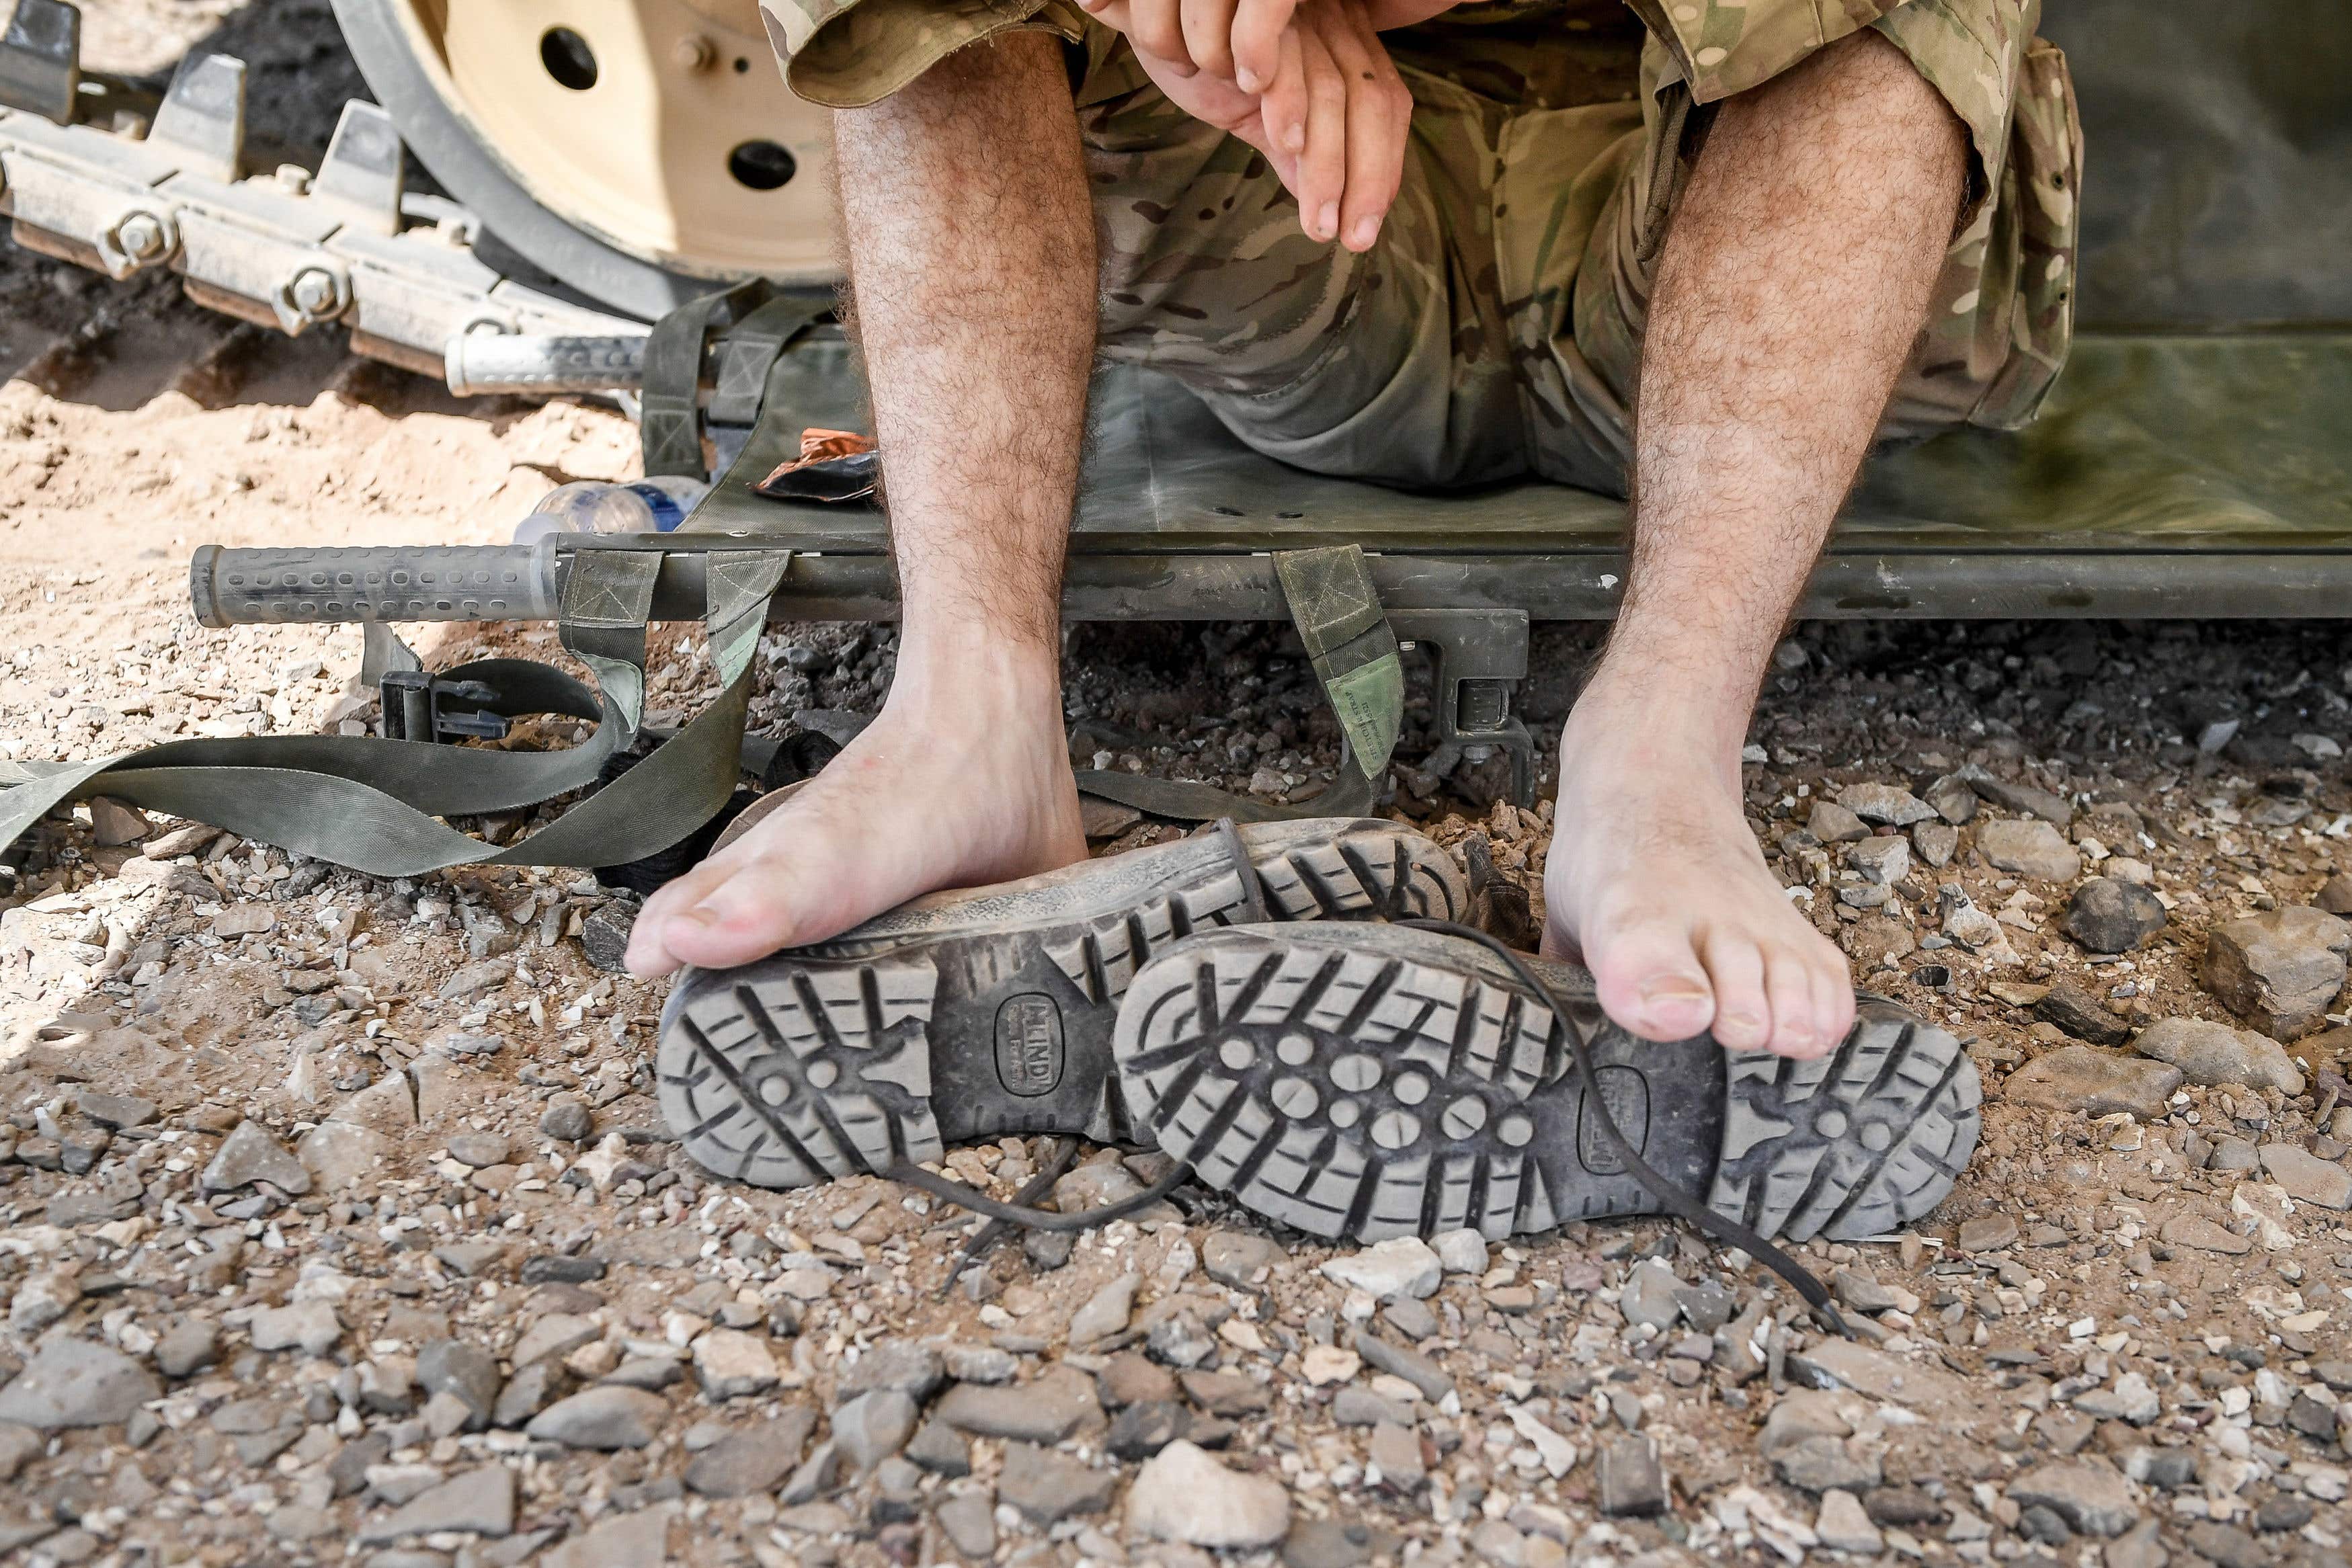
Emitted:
<point x="762" y="165"/>
<point x="568" y="58"/>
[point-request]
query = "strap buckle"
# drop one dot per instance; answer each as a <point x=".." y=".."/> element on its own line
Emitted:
<point x="420" y="706"/>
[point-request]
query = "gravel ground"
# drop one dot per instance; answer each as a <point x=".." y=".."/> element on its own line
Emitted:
<point x="337" y="1221"/>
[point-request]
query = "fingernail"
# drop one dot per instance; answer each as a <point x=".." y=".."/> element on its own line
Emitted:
<point x="1326" y="222"/>
<point x="1295" y="139"/>
<point x="1244" y="79"/>
<point x="1366" y="231"/>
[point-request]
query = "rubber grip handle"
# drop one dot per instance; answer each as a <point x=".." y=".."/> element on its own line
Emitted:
<point x="374" y="582"/>
<point x="484" y="363"/>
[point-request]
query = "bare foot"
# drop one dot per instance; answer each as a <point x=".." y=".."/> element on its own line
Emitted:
<point x="1655" y="880"/>
<point x="943" y="789"/>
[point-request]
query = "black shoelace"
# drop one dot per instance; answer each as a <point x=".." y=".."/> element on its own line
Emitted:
<point x="1728" y="1231"/>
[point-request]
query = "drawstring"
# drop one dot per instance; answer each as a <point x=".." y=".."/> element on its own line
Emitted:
<point x="1729" y="1232"/>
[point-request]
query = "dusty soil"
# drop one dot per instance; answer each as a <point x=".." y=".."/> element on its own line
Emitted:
<point x="449" y="1201"/>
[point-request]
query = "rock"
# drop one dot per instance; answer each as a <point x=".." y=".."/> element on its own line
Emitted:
<point x="2216" y="1054"/>
<point x="1045" y="1410"/>
<point x="1883" y="861"/>
<point x="182" y="840"/>
<point x="915" y="1370"/>
<point x="1047" y="1488"/>
<point x="873" y="1427"/>
<point x="1936" y="842"/>
<point x="1409" y="1364"/>
<point x="530" y="1390"/>
<point x="2098" y="1083"/>
<point x="467" y="1371"/>
<point x="624" y="1541"/>
<point x="2307" y="1177"/>
<point x="1842" y="1526"/>
<point x="1649" y="1296"/>
<point x="605" y="934"/>
<point x="1462" y="1252"/>
<point x="1142" y="1429"/>
<point x="19" y="1445"/>
<point x="75" y="1383"/>
<point x="1399" y="1267"/>
<point x="2279" y="970"/>
<point x="2227" y="1546"/>
<point x="1395" y="1448"/>
<point x="481" y="1501"/>
<point x="480" y="1150"/>
<point x="2088" y="1494"/>
<point x="1324" y="1364"/>
<point x="1239" y="1258"/>
<point x="44" y="1296"/>
<point x="2023" y="797"/>
<point x="940" y="1449"/>
<point x="474" y="979"/>
<point x="1881" y="1375"/>
<point x="2081" y="1014"/>
<point x="977" y="1363"/>
<point x="116" y="1111"/>
<point x="557" y="1333"/>
<point x="2334" y="895"/>
<point x="250" y="1155"/>
<point x="729" y="1364"/>
<point x="310" y="1327"/>
<point x="387" y="1105"/>
<point x="187" y="1347"/>
<point x="1632" y="1483"/>
<point x="969" y="1522"/>
<point x="2110" y="916"/>
<point x="244" y="920"/>
<point x="1182" y="1494"/>
<point x="2194" y="1230"/>
<point x="603" y="1418"/>
<point x="1180" y="1339"/>
<point x="2132" y="1399"/>
<point x="1833" y="824"/>
<point x="1883" y="805"/>
<point x="1333" y="1543"/>
<point x="2031" y="848"/>
<point x="1106" y="1311"/>
<point x="567" y="1119"/>
<point x="1987" y="1233"/>
<point x="340" y="1155"/>
<point x="1821" y="1463"/>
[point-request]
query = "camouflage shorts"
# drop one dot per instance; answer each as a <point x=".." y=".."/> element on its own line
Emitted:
<point x="1495" y="329"/>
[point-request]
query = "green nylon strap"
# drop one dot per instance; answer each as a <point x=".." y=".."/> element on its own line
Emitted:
<point x="608" y="596"/>
<point x="370" y="803"/>
<point x="749" y="351"/>
<point x="1349" y="642"/>
<point x="667" y="431"/>
<point x="1354" y="653"/>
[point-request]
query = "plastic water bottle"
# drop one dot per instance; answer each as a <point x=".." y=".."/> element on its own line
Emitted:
<point x="655" y="505"/>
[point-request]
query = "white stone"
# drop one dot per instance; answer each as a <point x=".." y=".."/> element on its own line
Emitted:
<point x="1401" y="1267"/>
<point x="1182" y="1494"/>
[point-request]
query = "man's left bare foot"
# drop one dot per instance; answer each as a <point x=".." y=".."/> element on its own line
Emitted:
<point x="1655" y="883"/>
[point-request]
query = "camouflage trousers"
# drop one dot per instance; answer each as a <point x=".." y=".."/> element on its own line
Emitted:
<point x="1495" y="329"/>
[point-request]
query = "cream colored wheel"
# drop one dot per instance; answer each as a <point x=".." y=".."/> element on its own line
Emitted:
<point x="637" y="149"/>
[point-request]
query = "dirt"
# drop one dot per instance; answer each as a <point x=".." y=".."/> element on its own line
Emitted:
<point x="2083" y="1260"/>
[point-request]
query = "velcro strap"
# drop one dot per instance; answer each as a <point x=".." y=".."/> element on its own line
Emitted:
<point x="1349" y="642"/>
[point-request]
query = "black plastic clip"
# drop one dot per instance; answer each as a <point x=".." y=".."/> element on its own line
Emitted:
<point x="420" y="706"/>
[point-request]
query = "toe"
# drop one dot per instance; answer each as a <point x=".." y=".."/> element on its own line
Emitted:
<point x="1649" y="979"/>
<point x="1736" y="971"/>
<point x="650" y="953"/>
<point x="1832" y="1002"/>
<point x="1796" y="1008"/>
<point x="756" y="908"/>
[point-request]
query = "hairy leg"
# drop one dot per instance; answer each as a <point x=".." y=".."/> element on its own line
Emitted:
<point x="1788" y="295"/>
<point x="970" y="243"/>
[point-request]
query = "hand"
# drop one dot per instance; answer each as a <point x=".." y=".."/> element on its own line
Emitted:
<point x="1335" y="118"/>
<point x="1237" y="40"/>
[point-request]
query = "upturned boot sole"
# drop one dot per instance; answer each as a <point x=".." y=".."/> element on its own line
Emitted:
<point x="973" y="1015"/>
<point x="1380" y="1082"/>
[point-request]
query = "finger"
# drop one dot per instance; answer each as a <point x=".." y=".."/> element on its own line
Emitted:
<point x="1257" y="29"/>
<point x="1380" y="125"/>
<point x="1112" y="13"/>
<point x="1156" y="27"/>
<point x="1323" y="163"/>
<point x="1209" y="34"/>
<point x="1284" y="110"/>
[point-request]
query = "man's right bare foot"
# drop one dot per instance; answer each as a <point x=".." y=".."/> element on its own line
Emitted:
<point x="952" y="786"/>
